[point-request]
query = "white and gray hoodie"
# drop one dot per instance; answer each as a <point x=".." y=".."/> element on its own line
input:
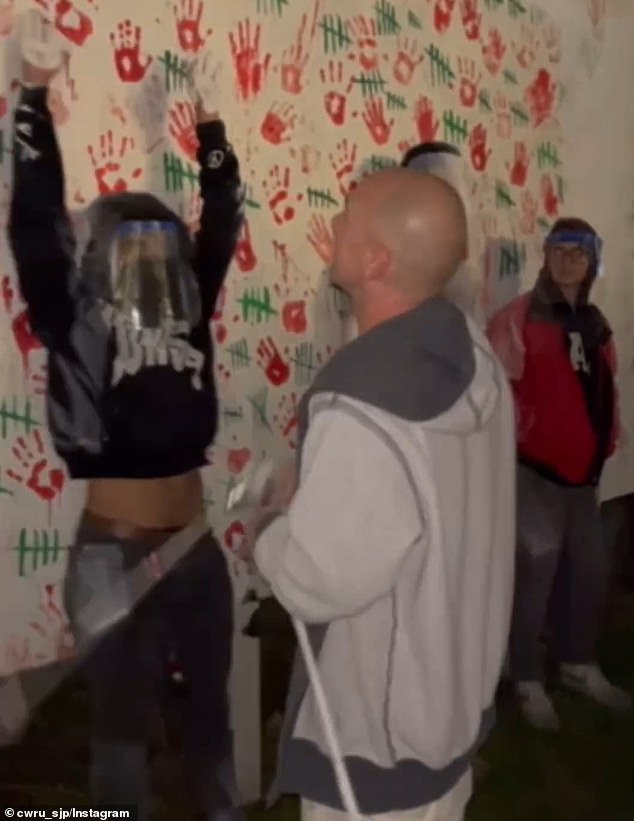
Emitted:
<point x="398" y="551"/>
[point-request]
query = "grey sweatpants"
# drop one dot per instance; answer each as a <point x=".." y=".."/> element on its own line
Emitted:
<point x="562" y="572"/>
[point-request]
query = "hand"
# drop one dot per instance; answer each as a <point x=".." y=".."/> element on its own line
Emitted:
<point x="41" y="49"/>
<point x="205" y="87"/>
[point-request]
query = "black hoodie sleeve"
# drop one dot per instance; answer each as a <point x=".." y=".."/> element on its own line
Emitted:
<point x="222" y="211"/>
<point x="40" y="233"/>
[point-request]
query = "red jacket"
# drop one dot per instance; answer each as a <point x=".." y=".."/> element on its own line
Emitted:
<point x="562" y="366"/>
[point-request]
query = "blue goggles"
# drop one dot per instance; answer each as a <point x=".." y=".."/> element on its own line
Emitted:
<point x="589" y="242"/>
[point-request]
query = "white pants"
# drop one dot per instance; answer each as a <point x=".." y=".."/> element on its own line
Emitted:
<point x="451" y="807"/>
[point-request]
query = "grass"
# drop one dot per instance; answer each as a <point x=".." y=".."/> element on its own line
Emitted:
<point x="585" y="772"/>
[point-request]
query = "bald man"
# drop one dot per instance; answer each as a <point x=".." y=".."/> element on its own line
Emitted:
<point x="398" y="545"/>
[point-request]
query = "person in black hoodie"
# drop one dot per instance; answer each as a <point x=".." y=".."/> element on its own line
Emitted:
<point x="559" y="353"/>
<point x="124" y="313"/>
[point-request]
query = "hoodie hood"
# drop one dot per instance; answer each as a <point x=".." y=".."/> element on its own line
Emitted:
<point x="431" y="365"/>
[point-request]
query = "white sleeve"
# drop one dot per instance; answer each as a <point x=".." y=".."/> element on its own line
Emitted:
<point x="352" y="521"/>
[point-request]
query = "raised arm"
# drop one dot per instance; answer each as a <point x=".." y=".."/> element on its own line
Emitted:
<point x="40" y="233"/>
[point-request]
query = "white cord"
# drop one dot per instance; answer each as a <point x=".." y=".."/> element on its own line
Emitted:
<point x="341" y="773"/>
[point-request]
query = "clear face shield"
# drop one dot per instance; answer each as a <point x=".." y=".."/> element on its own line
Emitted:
<point x="150" y="282"/>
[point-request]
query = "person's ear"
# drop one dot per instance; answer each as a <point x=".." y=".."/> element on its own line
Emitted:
<point x="377" y="260"/>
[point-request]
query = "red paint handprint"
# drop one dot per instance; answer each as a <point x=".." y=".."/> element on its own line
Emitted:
<point x="71" y="23"/>
<point x="549" y="196"/>
<point x="234" y="536"/>
<point x="188" y="15"/>
<point x="320" y="238"/>
<point x="238" y="459"/>
<point x="519" y="168"/>
<point x="529" y="208"/>
<point x="426" y="121"/>
<point x="493" y="51"/>
<point x="295" y="57"/>
<point x="376" y="123"/>
<point x="335" y="98"/>
<point x="344" y="164"/>
<point x="270" y="360"/>
<point x="277" y="190"/>
<point x="294" y="317"/>
<point x="182" y="127"/>
<point x="126" y="44"/>
<point x="47" y="483"/>
<point x="470" y="79"/>
<point x="251" y="68"/>
<point x="408" y="58"/>
<point x="309" y="158"/>
<point x="245" y="255"/>
<point x="107" y="163"/>
<point x="526" y="50"/>
<point x="540" y="96"/>
<point x="24" y="337"/>
<point x="443" y="12"/>
<point x="478" y="148"/>
<point x="278" y="123"/>
<point x="286" y="419"/>
<point x="471" y="19"/>
<point x="365" y="31"/>
<point x="504" y="121"/>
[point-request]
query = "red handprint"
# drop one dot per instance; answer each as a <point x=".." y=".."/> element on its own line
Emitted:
<point x="189" y="16"/>
<point x="245" y="255"/>
<point x="270" y="360"/>
<point x="277" y="190"/>
<point x="335" y="99"/>
<point x="278" y="123"/>
<point x="295" y="57"/>
<point x="71" y="23"/>
<point x="504" y="121"/>
<point x="251" y="68"/>
<point x="126" y="43"/>
<point x="343" y="164"/>
<point x="549" y="196"/>
<point x="24" y="337"/>
<point x="540" y="96"/>
<point x="320" y="238"/>
<point x="182" y="127"/>
<point x="365" y="31"/>
<point x="471" y="18"/>
<point x="426" y="121"/>
<point x="374" y="118"/>
<point x="443" y="12"/>
<point x="108" y="164"/>
<point x="408" y="58"/>
<point x="238" y="459"/>
<point x="526" y="51"/>
<point x="529" y="208"/>
<point x="519" y="168"/>
<point x="44" y="482"/>
<point x="309" y="158"/>
<point x="234" y="536"/>
<point x="493" y="51"/>
<point x="287" y="419"/>
<point x="294" y="317"/>
<point x="470" y="79"/>
<point x="478" y="148"/>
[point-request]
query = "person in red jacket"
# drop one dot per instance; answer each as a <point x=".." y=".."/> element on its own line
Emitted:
<point x="559" y="354"/>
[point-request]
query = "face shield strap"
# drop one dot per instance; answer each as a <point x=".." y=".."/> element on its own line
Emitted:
<point x="584" y="239"/>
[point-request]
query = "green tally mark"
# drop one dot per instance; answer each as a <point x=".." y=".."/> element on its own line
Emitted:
<point x="547" y="156"/>
<point x="175" y="71"/>
<point x="512" y="259"/>
<point x="455" y="128"/>
<point x="484" y="99"/>
<point x="370" y="84"/>
<point x="414" y="21"/>
<point x="42" y="550"/>
<point x="375" y="163"/>
<point x="21" y="419"/>
<point x="494" y="4"/>
<point x="519" y="114"/>
<point x="543" y="224"/>
<point x="177" y="173"/>
<point x="386" y="22"/>
<point x="256" y="305"/>
<point x="232" y="414"/>
<point x="395" y="102"/>
<point x="516" y="8"/>
<point x="509" y="77"/>
<point x="304" y="363"/>
<point x="335" y="33"/>
<point x="249" y="201"/>
<point x="239" y="353"/>
<point x="258" y="403"/>
<point x="503" y="198"/>
<point x="538" y="15"/>
<point x="561" y="188"/>
<point x="441" y="70"/>
<point x="321" y="198"/>
<point x="271" y="6"/>
<point x="4" y="491"/>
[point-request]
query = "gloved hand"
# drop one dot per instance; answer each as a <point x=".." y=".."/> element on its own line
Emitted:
<point x="205" y="76"/>
<point x="41" y="48"/>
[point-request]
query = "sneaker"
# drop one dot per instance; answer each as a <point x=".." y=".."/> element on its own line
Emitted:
<point x="588" y="680"/>
<point x="535" y="705"/>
